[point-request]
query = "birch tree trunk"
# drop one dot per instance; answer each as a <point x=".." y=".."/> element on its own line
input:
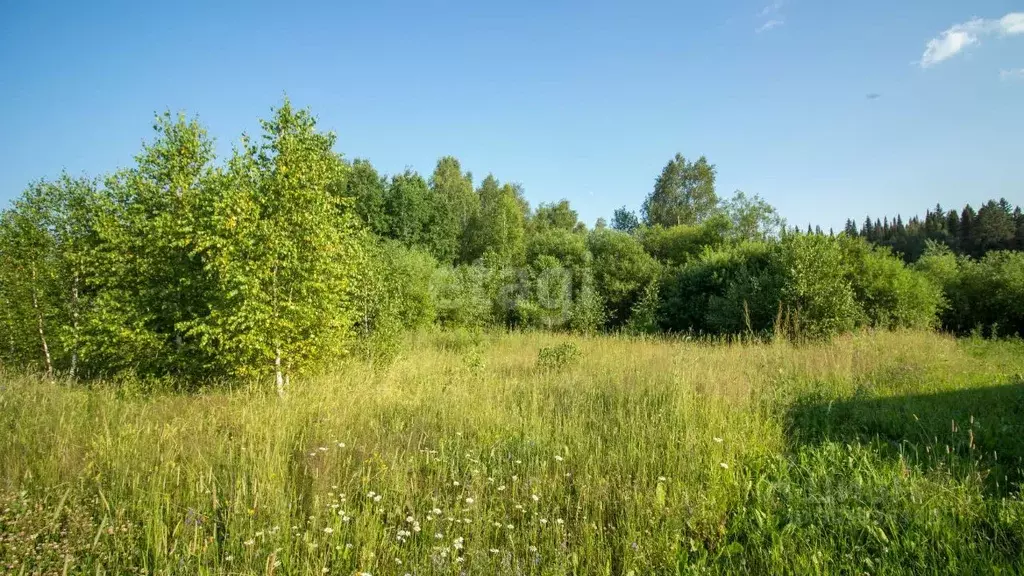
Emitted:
<point x="42" y="330"/>
<point x="278" y="376"/>
<point x="74" y="324"/>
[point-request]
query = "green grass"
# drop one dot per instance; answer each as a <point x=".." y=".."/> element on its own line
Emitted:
<point x="877" y="453"/>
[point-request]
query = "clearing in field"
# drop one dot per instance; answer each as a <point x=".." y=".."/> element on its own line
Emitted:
<point x="537" y="454"/>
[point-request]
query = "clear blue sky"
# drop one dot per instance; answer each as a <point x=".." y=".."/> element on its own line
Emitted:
<point x="581" y="100"/>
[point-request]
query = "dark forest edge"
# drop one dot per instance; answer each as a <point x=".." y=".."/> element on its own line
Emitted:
<point x="287" y="257"/>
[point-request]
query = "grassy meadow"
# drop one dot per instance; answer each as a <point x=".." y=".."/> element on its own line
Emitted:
<point x="876" y="453"/>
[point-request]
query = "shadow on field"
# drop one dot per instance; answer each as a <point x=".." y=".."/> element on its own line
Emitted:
<point x="962" y="431"/>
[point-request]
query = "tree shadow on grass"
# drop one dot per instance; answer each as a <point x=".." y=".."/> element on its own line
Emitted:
<point x="969" y="431"/>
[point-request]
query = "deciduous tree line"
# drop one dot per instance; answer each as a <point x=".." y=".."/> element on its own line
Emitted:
<point x="287" y="257"/>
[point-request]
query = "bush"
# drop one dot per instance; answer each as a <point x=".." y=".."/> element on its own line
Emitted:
<point x="549" y="299"/>
<point x="460" y="296"/>
<point x="817" y="293"/>
<point x="588" y="313"/>
<point x="889" y="294"/>
<point x="677" y="245"/>
<point x="644" y="316"/>
<point x="621" y="272"/>
<point x="394" y="295"/>
<point x="987" y="294"/>
<point x="557" y="357"/>
<point x="726" y="291"/>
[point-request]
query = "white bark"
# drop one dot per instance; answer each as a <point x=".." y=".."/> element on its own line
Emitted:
<point x="278" y="376"/>
<point x="42" y="330"/>
<point x="74" y="325"/>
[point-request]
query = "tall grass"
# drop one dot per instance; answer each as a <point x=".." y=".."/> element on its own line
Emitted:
<point x="876" y="453"/>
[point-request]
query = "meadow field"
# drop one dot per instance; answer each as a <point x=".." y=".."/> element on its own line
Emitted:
<point x="536" y="453"/>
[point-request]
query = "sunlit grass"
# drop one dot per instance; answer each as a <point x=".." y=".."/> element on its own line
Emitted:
<point x="468" y="455"/>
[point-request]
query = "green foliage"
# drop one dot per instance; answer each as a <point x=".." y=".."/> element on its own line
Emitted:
<point x="938" y="264"/>
<point x="394" y="294"/>
<point x="588" y="313"/>
<point x="549" y="301"/>
<point x="643" y="318"/>
<point x="684" y="193"/>
<point x="408" y="208"/>
<point x="987" y="294"/>
<point x="752" y="218"/>
<point x="622" y="270"/>
<point x="557" y="215"/>
<point x="367" y="188"/>
<point x="460" y="296"/>
<point x="625" y="220"/>
<point x="680" y="244"/>
<point x="727" y="291"/>
<point x="454" y="204"/>
<point x="816" y="290"/>
<point x="995" y="226"/>
<point x="499" y="230"/>
<point x="889" y="294"/>
<point x="282" y="250"/>
<point x="180" y="268"/>
<point x="152" y="290"/>
<point x="558" y="357"/>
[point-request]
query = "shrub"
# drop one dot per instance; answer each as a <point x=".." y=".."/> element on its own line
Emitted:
<point x="644" y="316"/>
<point x="460" y="296"/>
<point x="816" y="290"/>
<point x="677" y="245"/>
<point x="621" y="272"/>
<point x="557" y="357"/>
<point x="549" y="299"/>
<point x="726" y="291"/>
<point x="988" y="294"/>
<point x="394" y="295"/>
<point x="588" y="313"/>
<point x="889" y="294"/>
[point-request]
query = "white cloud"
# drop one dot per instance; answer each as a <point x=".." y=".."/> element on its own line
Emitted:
<point x="771" y="17"/>
<point x="772" y="8"/>
<point x="1012" y="74"/>
<point x="1012" y="23"/>
<point x="960" y="36"/>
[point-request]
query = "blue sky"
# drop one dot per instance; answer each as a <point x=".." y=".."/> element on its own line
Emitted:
<point x="578" y="100"/>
